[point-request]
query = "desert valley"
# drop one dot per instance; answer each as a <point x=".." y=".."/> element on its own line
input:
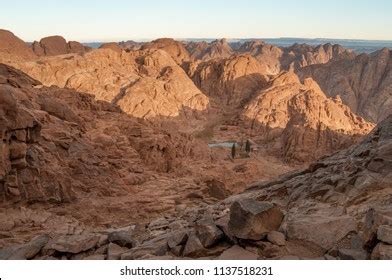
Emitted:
<point x="194" y="150"/>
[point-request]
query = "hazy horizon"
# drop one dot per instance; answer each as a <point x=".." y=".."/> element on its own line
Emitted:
<point x="118" y="20"/>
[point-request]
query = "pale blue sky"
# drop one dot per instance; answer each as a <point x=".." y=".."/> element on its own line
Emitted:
<point x="99" y="20"/>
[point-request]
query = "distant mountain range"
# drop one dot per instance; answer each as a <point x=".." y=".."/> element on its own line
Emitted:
<point x="360" y="46"/>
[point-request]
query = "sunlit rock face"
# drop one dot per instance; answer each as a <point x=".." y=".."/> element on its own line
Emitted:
<point x="300" y="120"/>
<point x="144" y="84"/>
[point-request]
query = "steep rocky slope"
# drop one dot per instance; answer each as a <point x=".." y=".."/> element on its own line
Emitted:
<point x="13" y="49"/>
<point x="363" y="82"/>
<point x="57" y="45"/>
<point x="300" y="121"/>
<point x="144" y="84"/>
<point x="232" y="81"/>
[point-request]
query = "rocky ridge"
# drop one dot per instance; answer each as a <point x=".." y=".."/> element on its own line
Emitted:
<point x="363" y="82"/>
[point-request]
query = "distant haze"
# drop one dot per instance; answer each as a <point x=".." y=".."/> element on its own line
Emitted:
<point x="118" y="20"/>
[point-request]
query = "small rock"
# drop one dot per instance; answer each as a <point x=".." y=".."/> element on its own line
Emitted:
<point x="158" y="224"/>
<point x="384" y="234"/>
<point x="24" y="251"/>
<point x="154" y="247"/>
<point x="289" y="257"/>
<point x="72" y="243"/>
<point x="329" y="257"/>
<point x="352" y="254"/>
<point x="237" y="253"/>
<point x="251" y="219"/>
<point x="276" y="238"/>
<point x="177" y="250"/>
<point x="382" y="252"/>
<point x="208" y="233"/>
<point x="95" y="257"/>
<point x="193" y="247"/>
<point x="122" y="238"/>
<point x="17" y="150"/>
<point x="217" y="189"/>
<point x="177" y="238"/>
<point x="115" y="251"/>
<point x="373" y="220"/>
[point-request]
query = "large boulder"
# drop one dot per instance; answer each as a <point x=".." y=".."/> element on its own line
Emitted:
<point x="115" y="251"/>
<point x="372" y="222"/>
<point x="25" y="251"/>
<point x="384" y="234"/>
<point x="325" y="232"/>
<point x="72" y="243"/>
<point x="382" y="252"/>
<point x="193" y="247"/>
<point x="251" y="219"/>
<point x="122" y="238"/>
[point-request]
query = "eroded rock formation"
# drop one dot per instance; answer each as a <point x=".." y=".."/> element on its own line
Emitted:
<point x="300" y="121"/>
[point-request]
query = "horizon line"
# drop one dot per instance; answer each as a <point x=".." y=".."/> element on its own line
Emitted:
<point x="231" y="39"/>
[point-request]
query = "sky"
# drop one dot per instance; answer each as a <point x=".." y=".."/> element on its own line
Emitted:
<point x="116" y="20"/>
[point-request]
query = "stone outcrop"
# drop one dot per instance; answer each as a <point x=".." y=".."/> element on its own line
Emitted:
<point x="13" y="48"/>
<point x="57" y="45"/>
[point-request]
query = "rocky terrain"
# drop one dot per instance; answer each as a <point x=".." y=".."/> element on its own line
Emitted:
<point x="363" y="82"/>
<point x="337" y="208"/>
<point x="152" y="150"/>
<point x="62" y="150"/>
